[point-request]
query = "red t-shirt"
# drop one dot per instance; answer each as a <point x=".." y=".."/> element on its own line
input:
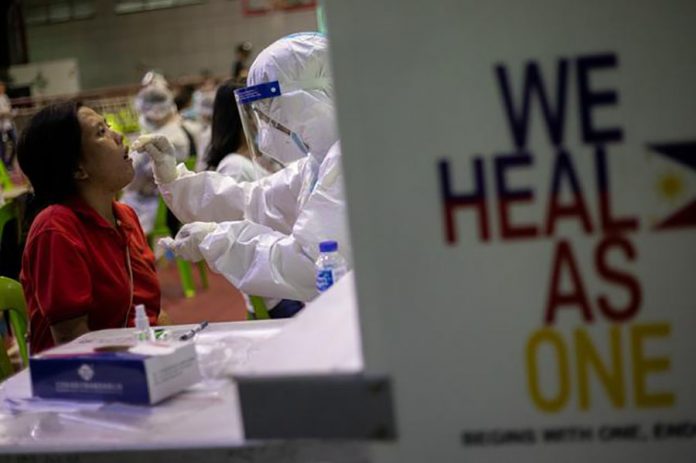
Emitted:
<point x="75" y="263"/>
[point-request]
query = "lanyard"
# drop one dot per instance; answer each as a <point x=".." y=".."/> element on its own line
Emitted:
<point x="130" y="280"/>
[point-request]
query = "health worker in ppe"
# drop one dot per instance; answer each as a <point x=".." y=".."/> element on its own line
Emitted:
<point x="264" y="236"/>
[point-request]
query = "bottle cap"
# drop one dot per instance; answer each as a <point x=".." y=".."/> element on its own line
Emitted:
<point x="328" y="246"/>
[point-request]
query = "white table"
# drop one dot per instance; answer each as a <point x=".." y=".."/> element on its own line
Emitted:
<point x="203" y="423"/>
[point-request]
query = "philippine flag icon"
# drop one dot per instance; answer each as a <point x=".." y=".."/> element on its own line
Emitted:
<point x="675" y="185"/>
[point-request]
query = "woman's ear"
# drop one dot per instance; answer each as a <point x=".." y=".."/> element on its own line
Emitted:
<point x="80" y="173"/>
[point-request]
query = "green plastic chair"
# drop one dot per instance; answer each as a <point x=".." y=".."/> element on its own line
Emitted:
<point x="5" y="180"/>
<point x="260" y="309"/>
<point x="184" y="267"/>
<point x="190" y="163"/>
<point x="12" y="301"/>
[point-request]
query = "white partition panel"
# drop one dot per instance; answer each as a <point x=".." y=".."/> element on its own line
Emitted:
<point x="521" y="178"/>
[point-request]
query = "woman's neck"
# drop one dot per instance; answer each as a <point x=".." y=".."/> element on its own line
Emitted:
<point x="102" y="202"/>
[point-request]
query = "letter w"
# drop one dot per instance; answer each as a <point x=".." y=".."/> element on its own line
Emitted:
<point x="519" y="117"/>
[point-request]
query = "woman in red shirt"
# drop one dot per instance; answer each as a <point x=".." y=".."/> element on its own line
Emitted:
<point x="86" y="263"/>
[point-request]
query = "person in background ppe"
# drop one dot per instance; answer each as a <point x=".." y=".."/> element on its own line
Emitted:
<point x="264" y="236"/>
<point x="7" y="130"/>
<point x="240" y="68"/>
<point x="157" y="114"/>
<point x="195" y="107"/>
<point x="203" y="100"/>
<point x="183" y="99"/>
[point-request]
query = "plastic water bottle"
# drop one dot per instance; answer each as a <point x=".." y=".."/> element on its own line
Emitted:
<point x="330" y="265"/>
<point x="142" y="324"/>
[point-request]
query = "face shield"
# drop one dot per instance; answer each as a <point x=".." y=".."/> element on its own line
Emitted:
<point x="155" y="105"/>
<point x="264" y="111"/>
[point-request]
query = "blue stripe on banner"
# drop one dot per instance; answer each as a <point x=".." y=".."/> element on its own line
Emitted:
<point x="257" y="92"/>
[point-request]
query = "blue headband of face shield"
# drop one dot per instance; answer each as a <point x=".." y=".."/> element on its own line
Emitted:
<point x="253" y="93"/>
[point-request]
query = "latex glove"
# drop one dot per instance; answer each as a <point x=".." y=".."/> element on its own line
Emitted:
<point x="185" y="245"/>
<point x="161" y="151"/>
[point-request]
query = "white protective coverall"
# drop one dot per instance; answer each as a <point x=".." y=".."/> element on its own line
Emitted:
<point x="264" y="236"/>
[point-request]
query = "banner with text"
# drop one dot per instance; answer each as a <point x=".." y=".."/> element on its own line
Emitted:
<point x="521" y="180"/>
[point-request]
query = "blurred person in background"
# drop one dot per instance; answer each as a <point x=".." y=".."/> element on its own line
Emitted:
<point x="87" y="262"/>
<point x="202" y="105"/>
<point x="158" y="114"/>
<point x="183" y="99"/>
<point x="240" y="67"/>
<point x="8" y="133"/>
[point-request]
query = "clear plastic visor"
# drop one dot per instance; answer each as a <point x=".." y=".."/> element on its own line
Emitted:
<point x="271" y="142"/>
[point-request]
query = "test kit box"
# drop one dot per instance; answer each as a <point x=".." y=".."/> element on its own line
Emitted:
<point x="143" y="373"/>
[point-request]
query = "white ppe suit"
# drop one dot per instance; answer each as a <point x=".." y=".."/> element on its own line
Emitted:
<point x="266" y="234"/>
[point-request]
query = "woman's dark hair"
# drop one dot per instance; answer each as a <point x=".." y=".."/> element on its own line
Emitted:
<point x="49" y="152"/>
<point x="226" y="127"/>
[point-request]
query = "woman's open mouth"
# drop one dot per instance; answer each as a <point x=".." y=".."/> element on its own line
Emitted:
<point x="125" y="154"/>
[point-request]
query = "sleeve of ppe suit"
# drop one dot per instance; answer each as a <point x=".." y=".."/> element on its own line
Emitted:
<point x="260" y="261"/>
<point x="213" y="197"/>
<point x="264" y="262"/>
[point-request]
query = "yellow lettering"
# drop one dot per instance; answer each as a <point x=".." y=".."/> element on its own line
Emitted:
<point x="611" y="378"/>
<point x="642" y="366"/>
<point x="550" y="336"/>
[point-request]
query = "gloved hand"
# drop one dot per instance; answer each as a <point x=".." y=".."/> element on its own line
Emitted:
<point x="161" y="151"/>
<point x="185" y="245"/>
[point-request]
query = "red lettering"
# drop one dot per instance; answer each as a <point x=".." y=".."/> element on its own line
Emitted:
<point x="508" y="196"/>
<point x="453" y="201"/>
<point x="618" y="314"/>
<point x="564" y="169"/>
<point x="576" y="297"/>
<point x="508" y="230"/>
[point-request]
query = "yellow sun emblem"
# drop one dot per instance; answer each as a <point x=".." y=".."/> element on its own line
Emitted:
<point x="670" y="185"/>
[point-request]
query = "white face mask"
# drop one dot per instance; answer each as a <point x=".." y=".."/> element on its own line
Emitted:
<point x="312" y="117"/>
<point x="286" y="127"/>
<point x="280" y="146"/>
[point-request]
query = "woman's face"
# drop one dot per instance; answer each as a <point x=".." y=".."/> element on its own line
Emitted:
<point x="104" y="158"/>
